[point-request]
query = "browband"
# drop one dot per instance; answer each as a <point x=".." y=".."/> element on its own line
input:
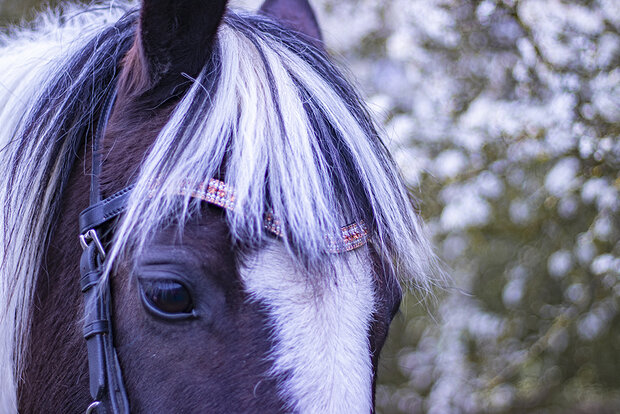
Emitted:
<point x="220" y="194"/>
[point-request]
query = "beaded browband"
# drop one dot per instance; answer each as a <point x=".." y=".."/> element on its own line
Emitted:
<point x="218" y="193"/>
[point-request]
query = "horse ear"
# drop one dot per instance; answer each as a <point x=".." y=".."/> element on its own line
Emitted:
<point x="176" y="36"/>
<point x="296" y="14"/>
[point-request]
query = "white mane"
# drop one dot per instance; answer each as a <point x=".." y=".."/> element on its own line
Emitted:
<point x="28" y="59"/>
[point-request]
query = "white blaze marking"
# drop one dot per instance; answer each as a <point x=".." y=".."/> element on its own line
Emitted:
<point x="321" y="334"/>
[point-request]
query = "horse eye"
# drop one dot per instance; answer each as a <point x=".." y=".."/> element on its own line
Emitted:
<point x="166" y="298"/>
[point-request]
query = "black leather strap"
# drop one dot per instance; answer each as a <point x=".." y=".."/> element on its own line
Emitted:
<point x="106" y="383"/>
<point x="96" y="327"/>
<point x="103" y="211"/>
<point x="92" y="312"/>
<point x="89" y="280"/>
<point x="95" y="178"/>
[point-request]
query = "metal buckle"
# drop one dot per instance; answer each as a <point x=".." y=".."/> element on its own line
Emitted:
<point x="91" y="235"/>
<point x="91" y="408"/>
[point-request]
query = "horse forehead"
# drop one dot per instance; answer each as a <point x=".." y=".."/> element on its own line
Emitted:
<point x="321" y="329"/>
<point x="272" y="272"/>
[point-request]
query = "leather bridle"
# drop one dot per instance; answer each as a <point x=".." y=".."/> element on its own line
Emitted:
<point x="106" y="382"/>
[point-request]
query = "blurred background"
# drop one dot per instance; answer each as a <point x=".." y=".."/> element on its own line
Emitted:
<point x="504" y="116"/>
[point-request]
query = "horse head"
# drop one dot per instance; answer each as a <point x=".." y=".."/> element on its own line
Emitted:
<point x="252" y="264"/>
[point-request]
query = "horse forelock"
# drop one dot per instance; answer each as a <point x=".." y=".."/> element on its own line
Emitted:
<point x="271" y="113"/>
